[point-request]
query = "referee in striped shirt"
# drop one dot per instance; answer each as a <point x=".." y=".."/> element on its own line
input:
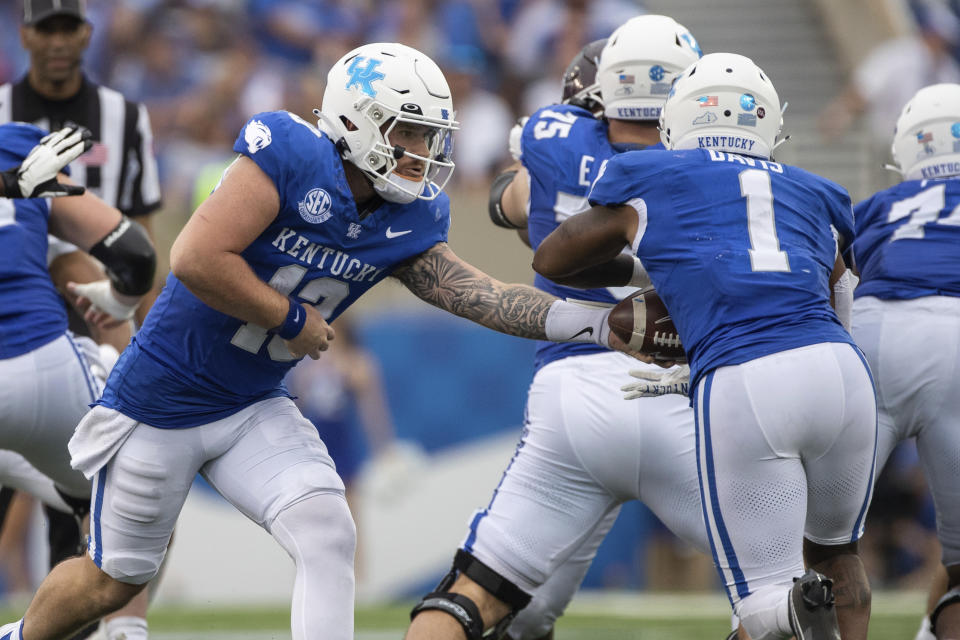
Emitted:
<point x="120" y="168"/>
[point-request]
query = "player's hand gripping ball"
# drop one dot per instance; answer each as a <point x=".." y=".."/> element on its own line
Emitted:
<point x="643" y="322"/>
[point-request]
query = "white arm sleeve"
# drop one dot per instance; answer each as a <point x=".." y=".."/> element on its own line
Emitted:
<point x="572" y="322"/>
<point x="843" y="298"/>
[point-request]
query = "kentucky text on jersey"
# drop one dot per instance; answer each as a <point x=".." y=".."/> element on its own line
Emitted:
<point x="341" y="265"/>
<point x="720" y="156"/>
<point x="725" y="141"/>
<point x="941" y="170"/>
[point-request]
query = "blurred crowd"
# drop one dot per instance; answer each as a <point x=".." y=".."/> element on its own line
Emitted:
<point x="203" y="67"/>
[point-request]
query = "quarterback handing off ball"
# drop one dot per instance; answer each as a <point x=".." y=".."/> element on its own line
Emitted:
<point x="643" y="322"/>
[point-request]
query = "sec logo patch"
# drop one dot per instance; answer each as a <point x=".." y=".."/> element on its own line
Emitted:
<point x="315" y="206"/>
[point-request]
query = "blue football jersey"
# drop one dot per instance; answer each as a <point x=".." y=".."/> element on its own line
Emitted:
<point x="739" y="249"/>
<point x="31" y="312"/>
<point x="190" y="364"/>
<point x="908" y="241"/>
<point x="563" y="149"/>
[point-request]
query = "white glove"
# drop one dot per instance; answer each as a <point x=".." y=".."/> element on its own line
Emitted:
<point x="514" y="140"/>
<point x="37" y="176"/>
<point x="99" y="298"/>
<point x="654" y="383"/>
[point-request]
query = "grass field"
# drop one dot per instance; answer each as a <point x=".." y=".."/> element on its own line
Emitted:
<point x="592" y="617"/>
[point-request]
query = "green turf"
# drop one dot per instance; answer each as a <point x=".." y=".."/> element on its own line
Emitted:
<point x="380" y="623"/>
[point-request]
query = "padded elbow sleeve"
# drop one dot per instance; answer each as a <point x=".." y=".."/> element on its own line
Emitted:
<point x="129" y="257"/>
<point x="495" y="206"/>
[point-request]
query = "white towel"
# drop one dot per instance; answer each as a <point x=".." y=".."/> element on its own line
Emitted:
<point x="97" y="438"/>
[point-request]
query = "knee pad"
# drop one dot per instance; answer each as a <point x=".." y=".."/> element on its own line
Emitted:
<point x="129" y="569"/>
<point x="462" y="608"/>
<point x="950" y="597"/>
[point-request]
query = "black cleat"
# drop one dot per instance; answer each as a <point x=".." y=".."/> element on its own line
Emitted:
<point x="812" y="614"/>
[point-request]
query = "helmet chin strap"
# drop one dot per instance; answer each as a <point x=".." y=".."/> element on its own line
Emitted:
<point x="398" y="189"/>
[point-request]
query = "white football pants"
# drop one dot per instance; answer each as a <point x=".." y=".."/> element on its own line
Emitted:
<point x="44" y="395"/>
<point x="268" y="461"/>
<point x="786" y="445"/>
<point x="913" y="347"/>
<point x="584" y="451"/>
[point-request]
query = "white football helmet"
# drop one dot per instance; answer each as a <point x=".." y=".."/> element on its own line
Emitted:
<point x="641" y="59"/>
<point x="724" y="102"/>
<point x="372" y="90"/>
<point x="926" y="140"/>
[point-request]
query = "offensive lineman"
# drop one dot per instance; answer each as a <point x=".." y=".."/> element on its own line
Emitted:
<point x="907" y="311"/>
<point x="49" y="377"/>
<point x="303" y="223"/>
<point x="740" y="250"/>
<point x="583" y="445"/>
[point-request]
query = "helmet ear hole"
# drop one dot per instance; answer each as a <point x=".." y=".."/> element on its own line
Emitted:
<point x="348" y="124"/>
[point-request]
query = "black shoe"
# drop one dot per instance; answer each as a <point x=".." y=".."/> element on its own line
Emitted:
<point x="812" y="614"/>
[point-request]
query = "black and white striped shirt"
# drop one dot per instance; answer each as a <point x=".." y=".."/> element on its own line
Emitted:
<point x="120" y="168"/>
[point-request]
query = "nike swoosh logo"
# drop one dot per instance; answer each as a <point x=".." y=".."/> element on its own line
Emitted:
<point x="397" y="234"/>
<point x="586" y="330"/>
<point x="297" y="317"/>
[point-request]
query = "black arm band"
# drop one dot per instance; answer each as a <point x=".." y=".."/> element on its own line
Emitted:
<point x="495" y="208"/>
<point x="128" y="255"/>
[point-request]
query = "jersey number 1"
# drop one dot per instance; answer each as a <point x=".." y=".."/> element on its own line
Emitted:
<point x="250" y="337"/>
<point x="765" y="253"/>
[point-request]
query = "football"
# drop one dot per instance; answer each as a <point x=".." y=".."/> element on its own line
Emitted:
<point x="643" y="322"/>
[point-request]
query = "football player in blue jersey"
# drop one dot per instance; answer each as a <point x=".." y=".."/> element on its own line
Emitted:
<point x="582" y="445"/>
<point x="302" y="223"/>
<point x="741" y="250"/>
<point x="907" y="312"/>
<point x="50" y="378"/>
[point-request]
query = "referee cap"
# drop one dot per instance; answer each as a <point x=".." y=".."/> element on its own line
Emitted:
<point x="35" y="11"/>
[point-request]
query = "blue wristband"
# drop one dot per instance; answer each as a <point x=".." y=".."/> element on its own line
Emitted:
<point x="293" y="324"/>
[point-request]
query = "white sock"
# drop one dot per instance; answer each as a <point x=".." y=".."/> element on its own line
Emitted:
<point x="765" y="613"/>
<point x="12" y="631"/>
<point x="126" y="628"/>
<point x="924" y="632"/>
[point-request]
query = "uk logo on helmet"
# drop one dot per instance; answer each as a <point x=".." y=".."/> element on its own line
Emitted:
<point x="364" y="77"/>
<point x="315" y="206"/>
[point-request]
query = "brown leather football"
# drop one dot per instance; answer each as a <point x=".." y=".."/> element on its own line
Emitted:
<point x="643" y="322"/>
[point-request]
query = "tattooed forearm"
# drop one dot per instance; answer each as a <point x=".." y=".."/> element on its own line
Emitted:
<point x="439" y="277"/>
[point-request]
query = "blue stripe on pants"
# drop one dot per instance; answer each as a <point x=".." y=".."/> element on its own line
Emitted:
<point x="728" y="551"/>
